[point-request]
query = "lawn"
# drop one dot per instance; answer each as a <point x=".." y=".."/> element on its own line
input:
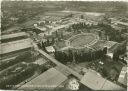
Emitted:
<point x="82" y="40"/>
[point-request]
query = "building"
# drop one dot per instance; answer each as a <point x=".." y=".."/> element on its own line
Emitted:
<point x="123" y="76"/>
<point x="13" y="37"/>
<point x="122" y="24"/>
<point x="110" y="55"/>
<point x="50" y="79"/>
<point x="15" y="47"/>
<point x="58" y="14"/>
<point x="50" y="49"/>
<point x="95" y="81"/>
<point x="111" y="45"/>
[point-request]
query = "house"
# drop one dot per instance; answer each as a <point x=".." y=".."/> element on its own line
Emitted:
<point x="110" y="55"/>
<point x="50" y="49"/>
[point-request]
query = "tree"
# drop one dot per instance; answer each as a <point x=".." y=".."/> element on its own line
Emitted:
<point x="57" y="34"/>
<point x="39" y="45"/>
<point x="123" y="47"/>
<point x="104" y="72"/>
<point x="82" y="16"/>
<point x="53" y="41"/>
<point x="43" y="46"/>
<point x="105" y="50"/>
<point x="116" y="56"/>
<point x="64" y="57"/>
<point x="48" y="42"/>
<point x="70" y="55"/>
<point x="76" y="56"/>
<point x="62" y="35"/>
<point x="56" y="55"/>
<point x="100" y="33"/>
<point x="124" y="30"/>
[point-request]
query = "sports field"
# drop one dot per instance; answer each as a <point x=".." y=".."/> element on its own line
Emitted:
<point x="82" y="40"/>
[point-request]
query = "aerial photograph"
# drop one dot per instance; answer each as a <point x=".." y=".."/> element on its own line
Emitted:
<point x="63" y="45"/>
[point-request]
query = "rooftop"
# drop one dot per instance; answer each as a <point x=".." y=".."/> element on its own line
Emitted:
<point x="14" y="46"/>
<point x="101" y="44"/>
<point x="13" y="35"/>
<point x="50" y="49"/>
<point x="97" y="82"/>
<point x="49" y="79"/>
<point x="123" y="76"/>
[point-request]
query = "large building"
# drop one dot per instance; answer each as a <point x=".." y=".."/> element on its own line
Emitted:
<point x="14" y="44"/>
<point x="15" y="47"/>
<point x="47" y="80"/>
<point x="95" y="81"/>
<point x="123" y="76"/>
<point x="13" y="37"/>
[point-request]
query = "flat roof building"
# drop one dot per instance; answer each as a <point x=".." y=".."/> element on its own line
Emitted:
<point x="12" y="49"/>
<point x="50" y="79"/>
<point x="13" y="37"/>
<point x="111" y="45"/>
<point x="95" y="81"/>
<point x="123" y="76"/>
<point x="50" y="49"/>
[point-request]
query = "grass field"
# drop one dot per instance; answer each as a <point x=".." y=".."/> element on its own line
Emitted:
<point x="82" y="40"/>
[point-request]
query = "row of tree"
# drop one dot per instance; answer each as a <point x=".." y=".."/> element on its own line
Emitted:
<point x="121" y="49"/>
<point x="112" y="33"/>
<point x="58" y="35"/>
<point x="80" y="25"/>
<point x="82" y="56"/>
<point x="42" y="45"/>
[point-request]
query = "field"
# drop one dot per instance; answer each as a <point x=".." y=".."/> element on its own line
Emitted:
<point x="82" y="40"/>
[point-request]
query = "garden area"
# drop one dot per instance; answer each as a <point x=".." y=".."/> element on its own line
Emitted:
<point x="16" y="74"/>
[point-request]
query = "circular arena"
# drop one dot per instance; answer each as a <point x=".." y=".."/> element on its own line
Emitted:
<point x="82" y="40"/>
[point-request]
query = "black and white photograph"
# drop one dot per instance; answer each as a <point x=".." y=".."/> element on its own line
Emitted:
<point x="59" y="45"/>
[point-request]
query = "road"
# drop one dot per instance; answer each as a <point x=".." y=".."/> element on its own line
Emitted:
<point x="62" y="26"/>
<point x="58" y="27"/>
<point x="60" y="64"/>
